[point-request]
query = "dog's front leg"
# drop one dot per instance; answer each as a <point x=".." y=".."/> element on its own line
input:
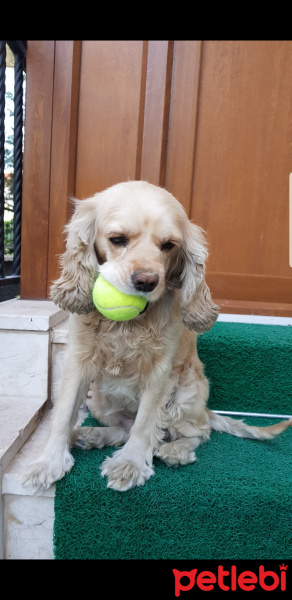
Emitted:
<point x="56" y="459"/>
<point x="132" y="465"/>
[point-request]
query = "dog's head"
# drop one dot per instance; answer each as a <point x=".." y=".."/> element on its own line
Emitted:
<point x="138" y="237"/>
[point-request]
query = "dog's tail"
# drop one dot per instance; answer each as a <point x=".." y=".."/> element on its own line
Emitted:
<point x="240" y="429"/>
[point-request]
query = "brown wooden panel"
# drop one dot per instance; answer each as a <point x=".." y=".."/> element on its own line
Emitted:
<point x="64" y="138"/>
<point x="237" y="286"/>
<point x="109" y="111"/>
<point x="243" y="158"/>
<point x="209" y="120"/>
<point x="156" y="113"/>
<point x="249" y="307"/>
<point x="36" y="168"/>
<point x="141" y="110"/>
<point x="183" y="121"/>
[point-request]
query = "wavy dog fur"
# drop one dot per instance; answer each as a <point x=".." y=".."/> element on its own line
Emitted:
<point x="147" y="382"/>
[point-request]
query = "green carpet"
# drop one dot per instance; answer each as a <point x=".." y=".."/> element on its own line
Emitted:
<point x="234" y="502"/>
<point x="249" y="367"/>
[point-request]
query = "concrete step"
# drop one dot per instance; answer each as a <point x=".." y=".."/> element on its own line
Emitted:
<point x="18" y="421"/>
<point x="28" y="519"/>
<point x="27" y="376"/>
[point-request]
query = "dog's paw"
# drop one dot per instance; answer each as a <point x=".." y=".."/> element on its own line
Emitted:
<point x="176" y="454"/>
<point x="43" y="472"/>
<point x="124" y="474"/>
<point x="86" y="438"/>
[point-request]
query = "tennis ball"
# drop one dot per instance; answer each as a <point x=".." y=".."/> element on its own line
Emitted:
<point x="115" y="305"/>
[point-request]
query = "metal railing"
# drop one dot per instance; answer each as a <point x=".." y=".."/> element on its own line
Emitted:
<point x="11" y="163"/>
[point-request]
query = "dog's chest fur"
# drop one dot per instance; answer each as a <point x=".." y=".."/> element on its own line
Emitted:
<point x="130" y="350"/>
<point x="120" y="359"/>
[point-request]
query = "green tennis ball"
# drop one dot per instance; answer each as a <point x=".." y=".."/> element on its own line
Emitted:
<point x="115" y="305"/>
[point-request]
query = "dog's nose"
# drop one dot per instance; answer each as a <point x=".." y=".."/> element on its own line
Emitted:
<point x="144" y="281"/>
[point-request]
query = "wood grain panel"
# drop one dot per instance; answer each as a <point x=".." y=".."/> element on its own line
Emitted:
<point x="36" y="168"/>
<point x="210" y="121"/>
<point x="183" y="121"/>
<point x="156" y="113"/>
<point x="237" y="286"/>
<point x="243" y="158"/>
<point x="249" y="307"/>
<point x="64" y="138"/>
<point x="109" y="110"/>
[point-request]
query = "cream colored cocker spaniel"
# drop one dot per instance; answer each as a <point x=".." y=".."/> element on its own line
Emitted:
<point x="147" y="383"/>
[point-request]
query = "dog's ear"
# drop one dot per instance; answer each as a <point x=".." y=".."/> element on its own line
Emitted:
<point x="73" y="290"/>
<point x="198" y="310"/>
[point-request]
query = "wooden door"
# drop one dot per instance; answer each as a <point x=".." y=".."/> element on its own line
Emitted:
<point x="242" y="165"/>
<point x="210" y="121"/>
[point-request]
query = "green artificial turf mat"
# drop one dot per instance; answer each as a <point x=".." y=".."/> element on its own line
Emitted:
<point x="234" y="502"/>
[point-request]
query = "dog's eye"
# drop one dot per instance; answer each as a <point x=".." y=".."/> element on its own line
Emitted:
<point x="119" y="240"/>
<point x="167" y="246"/>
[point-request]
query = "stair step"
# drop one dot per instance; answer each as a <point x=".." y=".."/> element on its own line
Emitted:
<point x="19" y="418"/>
<point x="29" y="520"/>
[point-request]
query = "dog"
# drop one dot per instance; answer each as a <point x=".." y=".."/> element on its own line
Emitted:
<point x="147" y="382"/>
